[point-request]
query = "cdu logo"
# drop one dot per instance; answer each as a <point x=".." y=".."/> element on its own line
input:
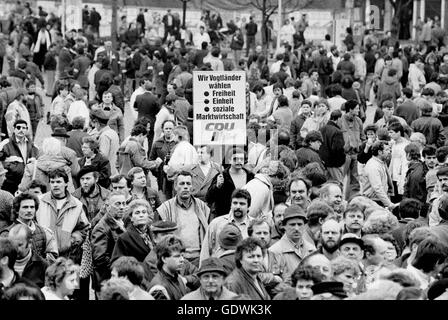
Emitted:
<point x="373" y="20"/>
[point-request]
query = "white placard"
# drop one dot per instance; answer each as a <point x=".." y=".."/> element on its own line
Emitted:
<point x="219" y="104"/>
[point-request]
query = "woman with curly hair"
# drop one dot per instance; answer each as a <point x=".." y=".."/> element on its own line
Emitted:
<point x="347" y="272"/>
<point x="380" y="222"/>
<point x="61" y="279"/>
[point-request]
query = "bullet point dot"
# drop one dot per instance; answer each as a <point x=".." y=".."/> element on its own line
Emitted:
<point x="206" y="109"/>
<point x="206" y="101"/>
<point x="206" y="93"/>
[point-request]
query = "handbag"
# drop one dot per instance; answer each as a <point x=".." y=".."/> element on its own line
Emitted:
<point x="86" y="268"/>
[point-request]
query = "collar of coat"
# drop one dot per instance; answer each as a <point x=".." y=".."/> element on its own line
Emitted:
<point x="70" y="201"/>
<point x="250" y="280"/>
<point x="111" y="222"/>
<point x="102" y="192"/>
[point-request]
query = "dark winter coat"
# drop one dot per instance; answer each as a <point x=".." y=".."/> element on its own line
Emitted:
<point x="35" y="270"/>
<point x="332" y="149"/>
<point x="15" y="169"/>
<point x="102" y="166"/>
<point x="131" y="243"/>
<point x="239" y="281"/>
<point x="296" y="125"/>
<point x="307" y="155"/>
<point x="415" y="183"/>
<point x="432" y="128"/>
<point x="218" y="199"/>
<point x="104" y="237"/>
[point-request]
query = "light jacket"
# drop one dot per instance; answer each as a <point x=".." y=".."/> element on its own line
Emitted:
<point x="168" y="211"/>
<point x="314" y="123"/>
<point x="41" y="168"/>
<point x="15" y="111"/>
<point x="201" y="183"/>
<point x="70" y="220"/>
<point x="262" y="198"/>
<point x="184" y="154"/>
<point x="210" y="243"/>
<point x="377" y="182"/>
<point x="416" y="79"/>
<point x="352" y="132"/>
<point x="198" y="294"/>
<point x="292" y="254"/>
<point x="109" y="145"/>
<point x="399" y="164"/>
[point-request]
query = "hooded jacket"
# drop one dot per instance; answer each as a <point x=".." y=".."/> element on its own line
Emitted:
<point x="65" y="223"/>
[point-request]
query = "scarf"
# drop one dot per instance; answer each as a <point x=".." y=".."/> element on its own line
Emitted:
<point x="20" y="264"/>
<point x="40" y="36"/>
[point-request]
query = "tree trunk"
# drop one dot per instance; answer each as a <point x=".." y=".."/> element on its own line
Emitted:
<point x="114" y="29"/>
<point x="263" y="29"/>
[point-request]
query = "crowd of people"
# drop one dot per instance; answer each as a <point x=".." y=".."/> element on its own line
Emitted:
<point x="322" y="203"/>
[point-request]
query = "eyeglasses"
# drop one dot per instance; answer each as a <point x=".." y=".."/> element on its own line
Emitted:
<point x="21" y="127"/>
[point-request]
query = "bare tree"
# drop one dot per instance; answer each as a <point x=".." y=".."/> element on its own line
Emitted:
<point x="269" y="7"/>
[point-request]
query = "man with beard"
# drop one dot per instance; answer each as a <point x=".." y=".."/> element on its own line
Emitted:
<point x="434" y="216"/>
<point x="331" y="193"/>
<point x="238" y="215"/>
<point x="104" y="236"/>
<point x="212" y="276"/>
<point x="292" y="246"/>
<point x="90" y="193"/>
<point x="277" y="229"/>
<point x="353" y="220"/>
<point x="274" y="265"/>
<point x="190" y="214"/>
<point x="245" y="279"/>
<point x="298" y="189"/>
<point x="330" y="238"/>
